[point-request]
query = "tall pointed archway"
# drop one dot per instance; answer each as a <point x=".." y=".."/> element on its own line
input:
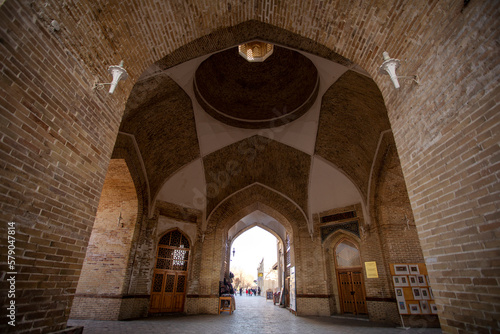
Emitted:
<point x="105" y="269"/>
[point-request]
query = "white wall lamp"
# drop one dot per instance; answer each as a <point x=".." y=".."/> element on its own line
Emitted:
<point x="118" y="73"/>
<point x="390" y="65"/>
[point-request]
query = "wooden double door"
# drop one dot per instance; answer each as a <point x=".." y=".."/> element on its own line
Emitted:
<point x="168" y="289"/>
<point x="168" y="292"/>
<point x="352" y="292"/>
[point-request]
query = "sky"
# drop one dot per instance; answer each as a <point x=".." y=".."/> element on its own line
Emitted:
<point x="250" y="247"/>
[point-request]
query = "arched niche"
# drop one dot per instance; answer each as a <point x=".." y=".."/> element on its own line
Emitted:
<point x="170" y="275"/>
<point x="329" y="247"/>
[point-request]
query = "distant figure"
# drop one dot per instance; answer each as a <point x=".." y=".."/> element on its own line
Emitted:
<point x="241" y="291"/>
<point x="258" y="290"/>
<point x="246" y="291"/>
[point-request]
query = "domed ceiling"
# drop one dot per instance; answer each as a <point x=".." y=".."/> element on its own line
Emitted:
<point x="256" y="94"/>
<point x="305" y="127"/>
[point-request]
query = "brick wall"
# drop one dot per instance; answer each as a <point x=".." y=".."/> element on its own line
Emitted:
<point x="56" y="141"/>
<point x="202" y="305"/>
<point x="313" y="306"/>
<point x="102" y="280"/>
<point x="386" y="312"/>
<point x="449" y="157"/>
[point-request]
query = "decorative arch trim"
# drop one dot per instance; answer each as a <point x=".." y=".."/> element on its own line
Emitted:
<point x="339" y="235"/>
<point x="172" y="230"/>
<point x="291" y="211"/>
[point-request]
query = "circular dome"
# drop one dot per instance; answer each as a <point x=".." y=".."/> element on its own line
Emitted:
<point x="256" y="95"/>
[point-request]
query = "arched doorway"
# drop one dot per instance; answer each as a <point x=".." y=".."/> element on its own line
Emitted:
<point x="245" y="257"/>
<point x="350" y="278"/>
<point x="168" y="289"/>
<point x="269" y="222"/>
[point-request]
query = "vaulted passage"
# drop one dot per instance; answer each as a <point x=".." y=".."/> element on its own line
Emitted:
<point x="384" y="200"/>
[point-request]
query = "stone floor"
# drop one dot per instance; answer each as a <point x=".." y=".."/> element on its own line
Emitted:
<point x="253" y="315"/>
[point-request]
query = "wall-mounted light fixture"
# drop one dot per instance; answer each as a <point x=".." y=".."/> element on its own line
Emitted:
<point x="389" y="66"/>
<point x="118" y="73"/>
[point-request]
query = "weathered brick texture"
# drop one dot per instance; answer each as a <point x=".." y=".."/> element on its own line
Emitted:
<point x="56" y="140"/>
<point x="104" y="270"/>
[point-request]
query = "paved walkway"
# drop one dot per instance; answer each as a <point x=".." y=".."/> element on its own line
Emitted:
<point x="253" y="315"/>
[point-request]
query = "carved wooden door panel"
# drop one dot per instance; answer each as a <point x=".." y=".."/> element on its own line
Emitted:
<point x="352" y="293"/>
<point x="174" y="293"/>
<point x="179" y="294"/>
<point x="359" y="292"/>
<point x="345" y="289"/>
<point x="168" y="289"/>
<point x="156" y="291"/>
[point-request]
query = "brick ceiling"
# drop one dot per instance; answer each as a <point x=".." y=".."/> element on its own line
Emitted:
<point x="192" y="159"/>
<point x="256" y="94"/>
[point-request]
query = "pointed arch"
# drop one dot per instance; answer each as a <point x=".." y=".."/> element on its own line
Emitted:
<point x="174" y="229"/>
<point x="339" y="235"/>
<point x="256" y="196"/>
<point x="262" y="226"/>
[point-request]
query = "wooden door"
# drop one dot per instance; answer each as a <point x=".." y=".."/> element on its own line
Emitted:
<point x="345" y="289"/>
<point x="359" y="292"/>
<point x="174" y="290"/>
<point x="168" y="290"/>
<point x="352" y="293"/>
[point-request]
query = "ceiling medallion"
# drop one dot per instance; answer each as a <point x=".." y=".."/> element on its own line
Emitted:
<point x="255" y="51"/>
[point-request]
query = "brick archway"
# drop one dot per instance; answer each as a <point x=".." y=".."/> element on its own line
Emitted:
<point x="102" y="282"/>
<point x="59" y="134"/>
<point x="226" y="215"/>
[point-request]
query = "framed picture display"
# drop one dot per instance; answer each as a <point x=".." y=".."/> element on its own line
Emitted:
<point x="421" y="280"/>
<point x="402" y="307"/>
<point x="424" y="292"/>
<point x="433" y="307"/>
<point x="413" y="268"/>
<point x="414" y="308"/>
<point x="413" y="280"/>
<point x="424" y="307"/>
<point x="416" y="294"/>
<point x="396" y="281"/>
<point x="430" y="293"/>
<point x="404" y="280"/>
<point x="401" y="269"/>
<point x="399" y="294"/>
